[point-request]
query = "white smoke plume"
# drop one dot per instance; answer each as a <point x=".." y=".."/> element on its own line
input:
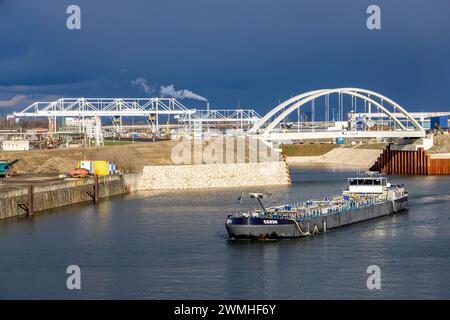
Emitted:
<point x="169" y="91"/>
<point x="142" y="83"/>
<point x="166" y="91"/>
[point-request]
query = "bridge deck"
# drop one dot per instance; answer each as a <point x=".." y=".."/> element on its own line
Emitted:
<point x="275" y="136"/>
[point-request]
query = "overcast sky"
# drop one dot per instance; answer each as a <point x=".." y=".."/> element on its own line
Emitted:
<point x="253" y="51"/>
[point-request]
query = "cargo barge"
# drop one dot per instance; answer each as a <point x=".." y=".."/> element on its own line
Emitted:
<point x="366" y="198"/>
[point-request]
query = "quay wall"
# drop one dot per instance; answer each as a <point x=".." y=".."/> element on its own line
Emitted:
<point x="15" y="202"/>
<point x="214" y="175"/>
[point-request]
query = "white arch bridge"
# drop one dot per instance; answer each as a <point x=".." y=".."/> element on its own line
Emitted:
<point x="406" y="126"/>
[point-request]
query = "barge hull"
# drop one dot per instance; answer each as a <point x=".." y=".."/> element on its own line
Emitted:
<point x="255" y="228"/>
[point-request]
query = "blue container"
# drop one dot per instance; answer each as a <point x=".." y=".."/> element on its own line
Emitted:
<point x="112" y="168"/>
<point x="340" y="141"/>
<point x="439" y="122"/>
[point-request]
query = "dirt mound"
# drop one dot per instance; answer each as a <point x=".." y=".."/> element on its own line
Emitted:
<point x="128" y="158"/>
<point x="131" y="157"/>
<point x="56" y="165"/>
<point x="441" y="144"/>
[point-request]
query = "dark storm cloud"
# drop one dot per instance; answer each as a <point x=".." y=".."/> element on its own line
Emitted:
<point x="255" y="51"/>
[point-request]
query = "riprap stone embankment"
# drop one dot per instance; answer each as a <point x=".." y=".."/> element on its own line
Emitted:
<point x="214" y="175"/>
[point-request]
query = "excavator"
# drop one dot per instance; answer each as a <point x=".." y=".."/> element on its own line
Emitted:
<point x="51" y="143"/>
<point x="7" y="168"/>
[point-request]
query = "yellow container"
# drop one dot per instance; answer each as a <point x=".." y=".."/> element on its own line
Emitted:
<point x="101" y="168"/>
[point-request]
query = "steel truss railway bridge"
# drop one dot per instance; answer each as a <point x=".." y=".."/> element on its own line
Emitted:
<point x="83" y="108"/>
<point x="401" y="124"/>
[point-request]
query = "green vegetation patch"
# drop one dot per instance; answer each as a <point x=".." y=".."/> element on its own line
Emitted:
<point x="116" y="143"/>
<point x="377" y="146"/>
<point x="306" y="150"/>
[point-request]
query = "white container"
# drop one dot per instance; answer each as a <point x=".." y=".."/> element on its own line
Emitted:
<point x="86" y="164"/>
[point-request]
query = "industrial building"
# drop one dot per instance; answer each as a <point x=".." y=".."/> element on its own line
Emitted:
<point x="15" y="145"/>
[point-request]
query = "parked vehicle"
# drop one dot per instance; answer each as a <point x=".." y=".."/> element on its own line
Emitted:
<point x="7" y="168"/>
<point x="79" y="173"/>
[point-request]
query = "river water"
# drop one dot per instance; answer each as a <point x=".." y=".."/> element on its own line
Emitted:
<point x="157" y="245"/>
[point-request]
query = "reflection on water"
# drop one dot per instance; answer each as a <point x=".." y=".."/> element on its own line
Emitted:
<point x="174" y="245"/>
<point x="431" y="199"/>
